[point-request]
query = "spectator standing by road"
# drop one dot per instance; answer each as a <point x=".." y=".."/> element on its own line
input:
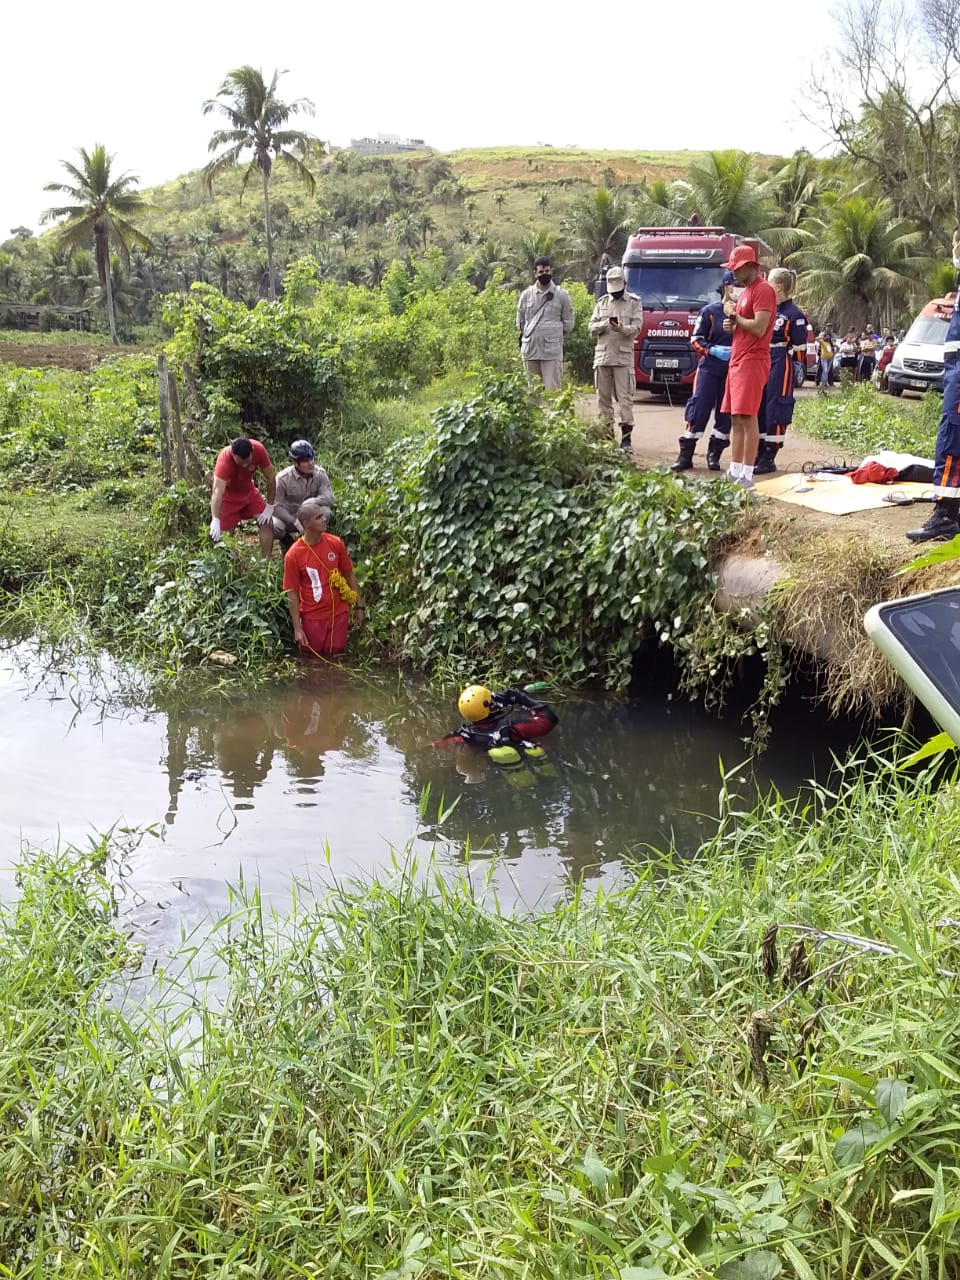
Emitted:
<point x="886" y="355"/>
<point x="868" y="356"/>
<point x="712" y="344"/>
<point x="303" y="479"/>
<point x="849" y="355"/>
<point x="788" y="343"/>
<point x="617" y="319"/>
<point x="750" y="320"/>
<point x="235" y="497"/>
<point x="826" y="352"/>
<point x="544" y="315"/>
<point x="945" y="520"/>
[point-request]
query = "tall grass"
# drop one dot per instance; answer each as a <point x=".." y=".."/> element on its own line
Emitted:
<point x="403" y="1080"/>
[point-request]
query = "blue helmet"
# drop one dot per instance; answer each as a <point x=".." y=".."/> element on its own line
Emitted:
<point x="302" y="451"/>
<point x="727" y="278"/>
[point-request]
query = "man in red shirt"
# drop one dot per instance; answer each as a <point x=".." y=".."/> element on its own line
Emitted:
<point x="235" y="497"/>
<point x="319" y="606"/>
<point x="750" y="318"/>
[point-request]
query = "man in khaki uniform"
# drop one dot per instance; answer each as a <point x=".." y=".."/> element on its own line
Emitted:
<point x="617" y="319"/>
<point x="544" y="315"/>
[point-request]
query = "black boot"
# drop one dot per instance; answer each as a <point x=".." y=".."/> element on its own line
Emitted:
<point x="684" y="460"/>
<point x="626" y="440"/>
<point x="714" y="453"/>
<point x="943" y="523"/>
<point x="766" y="462"/>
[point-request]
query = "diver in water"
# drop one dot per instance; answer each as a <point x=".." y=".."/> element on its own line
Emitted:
<point x="493" y="724"/>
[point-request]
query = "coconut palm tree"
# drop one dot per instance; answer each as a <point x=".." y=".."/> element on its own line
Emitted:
<point x="725" y="192"/>
<point x="257" y="124"/>
<point x="858" y="262"/>
<point x="664" y="204"/>
<point x="527" y="249"/>
<point x="404" y="226"/>
<point x="597" y="224"/>
<point x="99" y="212"/>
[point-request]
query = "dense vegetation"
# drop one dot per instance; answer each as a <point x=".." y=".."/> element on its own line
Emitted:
<point x="496" y="535"/>
<point x="401" y="1081"/>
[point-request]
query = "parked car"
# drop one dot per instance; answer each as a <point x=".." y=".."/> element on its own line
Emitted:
<point x="917" y="363"/>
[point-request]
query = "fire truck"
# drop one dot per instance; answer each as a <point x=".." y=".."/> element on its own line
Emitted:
<point x="676" y="271"/>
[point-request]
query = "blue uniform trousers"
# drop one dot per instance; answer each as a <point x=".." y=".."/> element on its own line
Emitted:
<point x="707" y="397"/>
<point x="776" y="407"/>
<point x="946" y="459"/>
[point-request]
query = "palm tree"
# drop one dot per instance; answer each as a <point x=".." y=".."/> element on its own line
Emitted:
<point x="725" y="192"/>
<point x="404" y="226"/>
<point x="664" y="204"/>
<point x="99" y="212"/>
<point x="795" y="188"/>
<point x="530" y="247"/>
<point x="498" y="199"/>
<point x="375" y="269"/>
<point x="858" y="261"/>
<point x="256" y="123"/>
<point x="597" y="224"/>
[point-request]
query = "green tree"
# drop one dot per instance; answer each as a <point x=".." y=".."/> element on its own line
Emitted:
<point x="257" y="124"/>
<point x="858" y="262"/>
<point x="597" y="224"/>
<point x="99" y="213"/>
<point x="527" y="249"/>
<point x="724" y="192"/>
<point x="794" y="188"/>
<point x="404" y="226"/>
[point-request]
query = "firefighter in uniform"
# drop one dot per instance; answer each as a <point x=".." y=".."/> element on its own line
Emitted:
<point x="617" y="319"/>
<point x="788" y="343"/>
<point x="713" y="347"/>
<point x="945" y="520"/>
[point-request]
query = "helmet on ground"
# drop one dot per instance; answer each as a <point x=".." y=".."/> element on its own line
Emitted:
<point x="475" y="703"/>
<point x="302" y="451"/>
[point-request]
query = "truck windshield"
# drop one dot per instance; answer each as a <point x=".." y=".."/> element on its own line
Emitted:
<point x="931" y="330"/>
<point x="664" y="285"/>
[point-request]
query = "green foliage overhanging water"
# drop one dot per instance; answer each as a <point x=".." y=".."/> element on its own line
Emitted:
<point x="402" y="1080"/>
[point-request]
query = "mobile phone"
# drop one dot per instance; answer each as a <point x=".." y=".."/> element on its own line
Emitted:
<point x="920" y="635"/>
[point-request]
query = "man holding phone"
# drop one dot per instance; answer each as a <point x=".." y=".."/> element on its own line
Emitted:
<point x="617" y="319"/>
<point x="544" y="315"/>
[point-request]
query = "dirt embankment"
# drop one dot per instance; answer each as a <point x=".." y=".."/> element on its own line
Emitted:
<point x="72" y="355"/>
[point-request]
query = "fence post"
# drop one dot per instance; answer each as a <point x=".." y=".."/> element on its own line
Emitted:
<point x="164" y="393"/>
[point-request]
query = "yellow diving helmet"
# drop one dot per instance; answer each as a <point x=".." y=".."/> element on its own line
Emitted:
<point x="475" y="703"/>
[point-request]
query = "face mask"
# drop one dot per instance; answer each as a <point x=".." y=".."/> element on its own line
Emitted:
<point x="545" y="277"/>
<point x="736" y="291"/>
<point x="617" y="293"/>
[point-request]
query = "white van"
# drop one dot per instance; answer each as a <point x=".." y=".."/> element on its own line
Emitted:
<point x="917" y="363"/>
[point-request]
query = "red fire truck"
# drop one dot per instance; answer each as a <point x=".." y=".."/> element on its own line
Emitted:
<point x="676" y="271"/>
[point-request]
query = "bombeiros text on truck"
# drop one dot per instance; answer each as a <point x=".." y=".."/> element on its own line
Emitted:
<point x="676" y="271"/>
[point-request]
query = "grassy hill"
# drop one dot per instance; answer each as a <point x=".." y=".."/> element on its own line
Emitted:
<point x="504" y="192"/>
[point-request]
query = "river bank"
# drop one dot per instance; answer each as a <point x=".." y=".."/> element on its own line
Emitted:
<point x="745" y="1068"/>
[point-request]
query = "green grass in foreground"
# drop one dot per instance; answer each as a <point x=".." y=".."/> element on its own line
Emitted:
<point x="403" y="1082"/>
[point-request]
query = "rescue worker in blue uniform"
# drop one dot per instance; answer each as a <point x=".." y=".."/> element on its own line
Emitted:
<point x="945" y="520"/>
<point x="788" y="344"/>
<point x="713" y="346"/>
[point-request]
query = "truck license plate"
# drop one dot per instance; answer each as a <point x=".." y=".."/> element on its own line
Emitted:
<point x="666" y="364"/>
<point x="920" y="386"/>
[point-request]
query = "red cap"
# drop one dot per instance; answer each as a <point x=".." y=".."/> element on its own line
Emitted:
<point x="741" y="255"/>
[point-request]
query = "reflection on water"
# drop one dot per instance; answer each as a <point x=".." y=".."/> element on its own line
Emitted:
<point x="326" y="776"/>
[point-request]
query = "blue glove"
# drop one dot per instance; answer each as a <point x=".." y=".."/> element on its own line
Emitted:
<point x="721" y="353"/>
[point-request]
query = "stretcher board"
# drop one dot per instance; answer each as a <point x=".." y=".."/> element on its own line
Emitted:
<point x="835" y="497"/>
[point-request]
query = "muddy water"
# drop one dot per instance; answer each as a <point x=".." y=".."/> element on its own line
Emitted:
<point x="335" y="775"/>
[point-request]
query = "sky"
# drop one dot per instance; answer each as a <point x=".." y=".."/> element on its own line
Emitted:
<point x="506" y="73"/>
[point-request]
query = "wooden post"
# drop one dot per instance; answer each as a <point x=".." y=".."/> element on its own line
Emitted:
<point x="192" y="408"/>
<point x="164" y="392"/>
<point x="177" y="428"/>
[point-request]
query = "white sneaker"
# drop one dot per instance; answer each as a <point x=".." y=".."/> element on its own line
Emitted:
<point x="746" y="482"/>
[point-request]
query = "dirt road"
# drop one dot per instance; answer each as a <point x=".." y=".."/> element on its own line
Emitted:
<point x="659" y="424"/>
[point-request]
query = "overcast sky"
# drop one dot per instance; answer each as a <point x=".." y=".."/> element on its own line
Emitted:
<point x="134" y="77"/>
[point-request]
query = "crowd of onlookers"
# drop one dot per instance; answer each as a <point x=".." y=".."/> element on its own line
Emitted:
<point x="862" y="356"/>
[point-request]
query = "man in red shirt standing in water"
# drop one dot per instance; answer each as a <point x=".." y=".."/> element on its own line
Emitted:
<point x="750" y="319"/>
<point x="235" y="497"/>
<point x="320" y="585"/>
